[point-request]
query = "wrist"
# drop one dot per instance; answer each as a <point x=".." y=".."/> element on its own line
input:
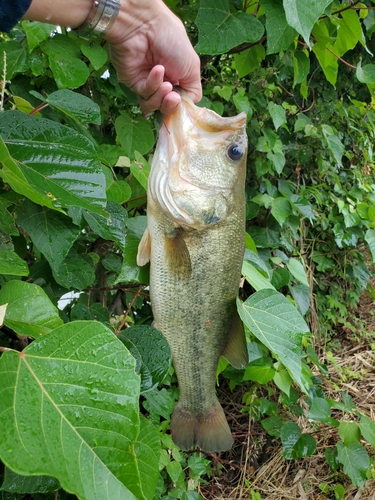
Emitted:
<point x="67" y="13"/>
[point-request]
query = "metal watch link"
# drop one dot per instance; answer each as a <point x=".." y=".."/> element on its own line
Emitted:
<point x="100" y="20"/>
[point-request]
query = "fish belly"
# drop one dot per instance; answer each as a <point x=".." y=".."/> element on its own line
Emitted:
<point x="195" y="311"/>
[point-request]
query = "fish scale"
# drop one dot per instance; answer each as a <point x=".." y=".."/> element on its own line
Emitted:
<point x="196" y="262"/>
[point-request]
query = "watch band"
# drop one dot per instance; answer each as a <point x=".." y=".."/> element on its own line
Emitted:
<point x="100" y="20"/>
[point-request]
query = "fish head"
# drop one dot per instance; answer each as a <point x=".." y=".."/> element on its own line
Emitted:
<point x="199" y="166"/>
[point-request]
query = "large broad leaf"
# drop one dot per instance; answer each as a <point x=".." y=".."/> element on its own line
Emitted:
<point x="326" y="58"/>
<point x="303" y="14"/>
<point x="36" y="32"/>
<point x="69" y="404"/>
<point x="52" y="160"/>
<point x="219" y="30"/>
<point x="151" y="351"/>
<point x="279" y="34"/>
<point x="75" y="105"/>
<point x="52" y="233"/>
<point x="134" y="134"/>
<point x="12" y="264"/>
<point x="29" y="310"/>
<point x="112" y="227"/>
<point x="355" y="460"/>
<point x="279" y="326"/>
<point x="65" y="61"/>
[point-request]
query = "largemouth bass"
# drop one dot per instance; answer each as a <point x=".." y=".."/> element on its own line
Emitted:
<point x="195" y="244"/>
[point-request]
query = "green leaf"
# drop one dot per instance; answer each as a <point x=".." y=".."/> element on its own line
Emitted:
<point x="272" y="425"/>
<point x="12" y="264"/>
<point x="70" y="404"/>
<point x="279" y="326"/>
<point x="52" y="233"/>
<point x="279" y="34"/>
<point x="261" y="371"/>
<point x="112" y="227"/>
<point x="321" y="411"/>
<point x="134" y="134"/>
<point x="249" y="60"/>
<point x="51" y="164"/>
<point x="65" y="63"/>
<point x="289" y="435"/>
<point x="14" y="483"/>
<point x="367" y="427"/>
<point x="255" y="278"/>
<point x="304" y="447"/>
<point x="301" y="64"/>
<point x="281" y="209"/>
<point x="129" y="270"/>
<point x="160" y="402"/>
<point x="7" y="222"/>
<point x="301" y="294"/>
<point x="119" y="192"/>
<point x="349" y="432"/>
<point x="37" y="32"/>
<point x="16" y="58"/>
<point x="355" y="460"/>
<point x="29" y="312"/>
<point x="370" y="240"/>
<point x="76" y="106"/>
<point x="278" y="115"/>
<point x="75" y="272"/>
<point x="366" y="74"/>
<point x="327" y="60"/>
<point x="303" y="14"/>
<point x="140" y="168"/>
<point x="219" y="30"/>
<point x="95" y="54"/>
<point x="297" y="270"/>
<point x="151" y="351"/>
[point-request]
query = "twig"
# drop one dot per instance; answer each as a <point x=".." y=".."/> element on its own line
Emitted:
<point x="123" y="321"/>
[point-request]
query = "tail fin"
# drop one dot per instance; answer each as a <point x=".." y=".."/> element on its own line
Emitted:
<point x="210" y="433"/>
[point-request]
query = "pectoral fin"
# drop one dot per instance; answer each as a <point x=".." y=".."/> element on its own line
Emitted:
<point x="236" y="349"/>
<point x="144" y="249"/>
<point x="177" y="255"/>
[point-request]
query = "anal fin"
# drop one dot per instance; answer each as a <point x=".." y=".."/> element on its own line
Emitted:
<point x="144" y="249"/>
<point x="209" y="432"/>
<point x="236" y="349"/>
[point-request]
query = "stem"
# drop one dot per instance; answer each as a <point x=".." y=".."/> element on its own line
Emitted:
<point x="123" y="321"/>
<point x="4" y="82"/>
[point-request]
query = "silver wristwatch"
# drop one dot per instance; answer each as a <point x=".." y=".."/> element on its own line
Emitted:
<point x="100" y="20"/>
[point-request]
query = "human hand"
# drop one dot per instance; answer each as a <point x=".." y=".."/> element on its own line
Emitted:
<point x="151" y="53"/>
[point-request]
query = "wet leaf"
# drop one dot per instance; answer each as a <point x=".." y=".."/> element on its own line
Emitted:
<point x="151" y="351"/>
<point x="76" y="106"/>
<point x="74" y="395"/>
<point x="30" y="312"/>
<point x="52" y="232"/>
<point x="12" y="264"/>
<point x="51" y="162"/>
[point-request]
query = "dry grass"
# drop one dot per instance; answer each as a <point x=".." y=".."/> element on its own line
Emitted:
<point x="256" y="464"/>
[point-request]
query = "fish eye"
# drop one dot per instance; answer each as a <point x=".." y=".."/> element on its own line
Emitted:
<point x="235" y="152"/>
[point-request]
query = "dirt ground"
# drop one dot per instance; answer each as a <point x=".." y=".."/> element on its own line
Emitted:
<point x="255" y="468"/>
